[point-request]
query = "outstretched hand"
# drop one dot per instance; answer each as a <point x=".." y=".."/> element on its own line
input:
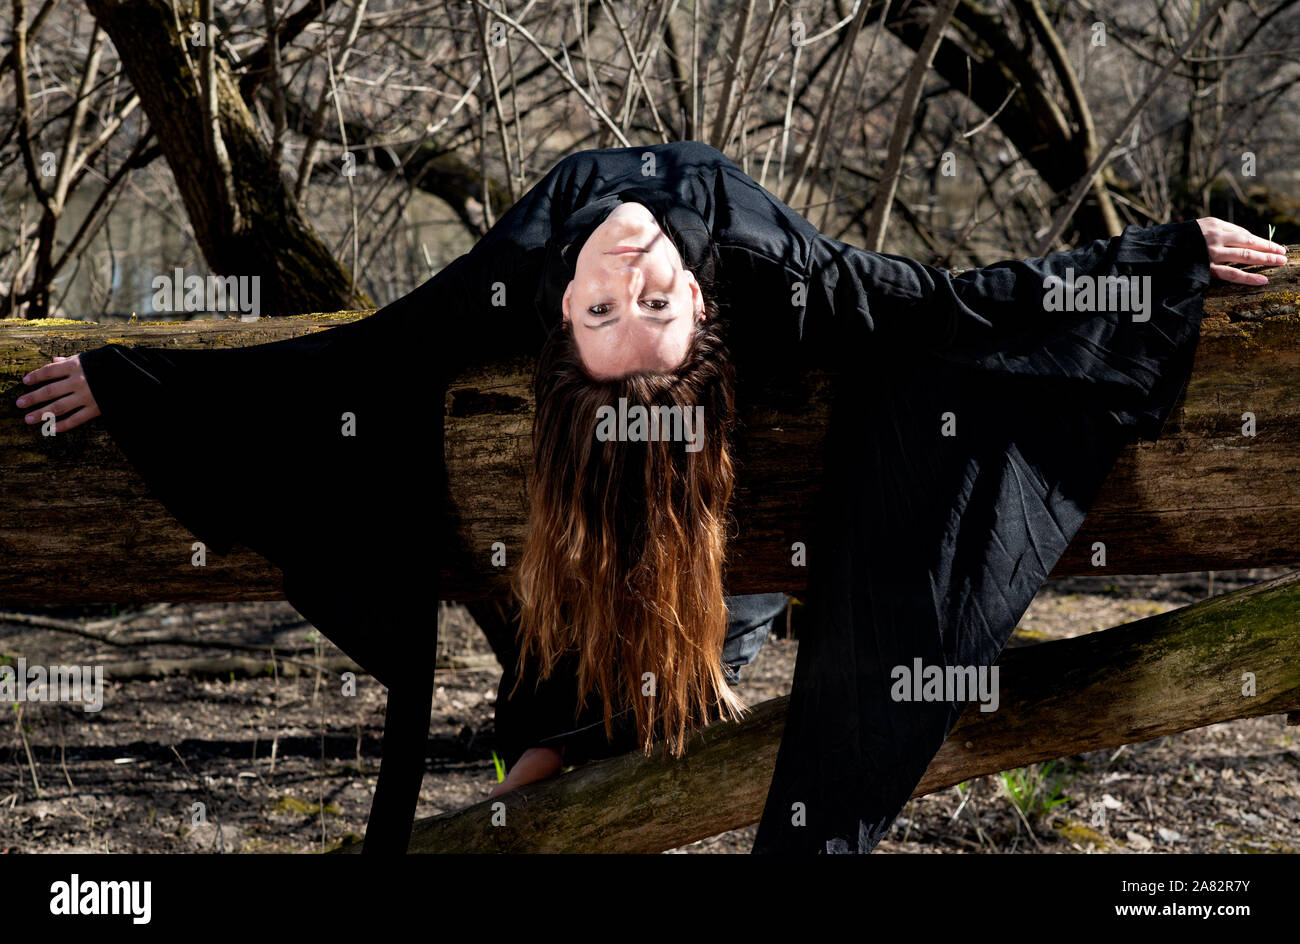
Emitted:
<point x="63" y="389"/>
<point x="1231" y="244"/>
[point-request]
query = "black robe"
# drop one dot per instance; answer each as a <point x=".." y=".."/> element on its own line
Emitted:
<point x="932" y="547"/>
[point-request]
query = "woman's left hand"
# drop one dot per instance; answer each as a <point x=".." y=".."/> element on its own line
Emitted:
<point x="63" y="389"/>
<point x="1230" y="244"/>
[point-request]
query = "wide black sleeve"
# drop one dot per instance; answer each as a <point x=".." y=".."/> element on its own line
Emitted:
<point x="963" y="456"/>
<point x="313" y="452"/>
<point x="1111" y="320"/>
<point x="324" y="453"/>
<point x="800" y="299"/>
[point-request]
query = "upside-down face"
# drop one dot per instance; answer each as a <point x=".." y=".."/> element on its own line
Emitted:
<point x="632" y="304"/>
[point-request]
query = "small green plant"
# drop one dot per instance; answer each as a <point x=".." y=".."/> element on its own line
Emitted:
<point x="500" y="766"/>
<point x="1032" y="789"/>
<point x="1271" y="227"/>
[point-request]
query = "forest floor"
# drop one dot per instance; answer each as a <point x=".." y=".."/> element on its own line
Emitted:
<point x="287" y="763"/>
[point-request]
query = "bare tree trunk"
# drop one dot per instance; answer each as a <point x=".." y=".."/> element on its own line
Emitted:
<point x="243" y="216"/>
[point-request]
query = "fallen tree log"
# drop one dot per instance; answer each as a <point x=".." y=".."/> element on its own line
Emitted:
<point x="1204" y="497"/>
<point x="1161" y="675"/>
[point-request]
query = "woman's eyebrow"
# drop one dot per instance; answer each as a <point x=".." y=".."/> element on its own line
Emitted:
<point x="615" y="319"/>
<point x="608" y="321"/>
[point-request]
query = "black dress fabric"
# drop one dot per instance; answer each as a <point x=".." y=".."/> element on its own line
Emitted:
<point x="931" y="544"/>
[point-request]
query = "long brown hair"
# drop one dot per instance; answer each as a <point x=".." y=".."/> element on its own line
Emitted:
<point x="623" y="559"/>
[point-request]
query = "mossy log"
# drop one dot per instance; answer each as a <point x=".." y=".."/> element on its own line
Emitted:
<point x="1205" y="497"/>
<point x="1233" y="656"/>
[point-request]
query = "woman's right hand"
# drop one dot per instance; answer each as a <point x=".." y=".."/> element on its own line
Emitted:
<point x="536" y="763"/>
<point x="63" y="388"/>
<point x="1230" y="245"/>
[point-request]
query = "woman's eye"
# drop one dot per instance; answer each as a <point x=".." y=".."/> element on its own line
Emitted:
<point x="654" y="304"/>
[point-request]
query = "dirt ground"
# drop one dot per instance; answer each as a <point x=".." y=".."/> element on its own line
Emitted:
<point x="287" y="763"/>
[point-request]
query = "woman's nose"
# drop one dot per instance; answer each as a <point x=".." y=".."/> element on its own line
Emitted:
<point x="633" y="277"/>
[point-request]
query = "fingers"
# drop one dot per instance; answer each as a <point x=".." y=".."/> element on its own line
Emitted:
<point x="62" y="408"/>
<point x="71" y="421"/>
<point x="61" y="391"/>
<point x="1243" y="256"/>
<point x="1231" y="245"/>
<point x="61" y="367"/>
<point x="46" y="393"/>
<point x="1240" y="236"/>
<point x="60" y="394"/>
<point x="1229" y="274"/>
<point x="83" y="415"/>
<point x="1222" y="258"/>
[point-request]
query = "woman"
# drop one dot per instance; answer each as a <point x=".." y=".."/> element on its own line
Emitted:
<point x="974" y="421"/>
